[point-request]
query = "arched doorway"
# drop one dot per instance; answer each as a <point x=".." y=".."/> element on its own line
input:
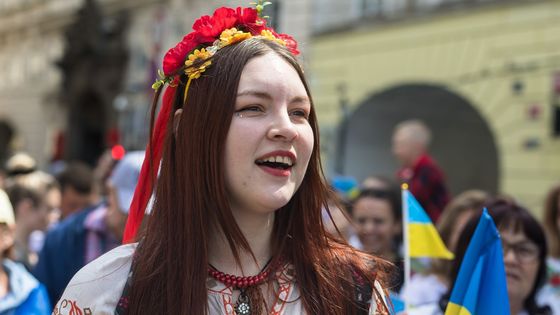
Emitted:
<point x="462" y="142"/>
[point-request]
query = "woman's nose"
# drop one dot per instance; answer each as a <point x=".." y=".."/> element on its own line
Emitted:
<point x="282" y="128"/>
<point x="510" y="256"/>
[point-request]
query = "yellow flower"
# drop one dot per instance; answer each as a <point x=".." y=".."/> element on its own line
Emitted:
<point x="232" y="36"/>
<point x="196" y="71"/>
<point x="268" y="35"/>
<point x="197" y="54"/>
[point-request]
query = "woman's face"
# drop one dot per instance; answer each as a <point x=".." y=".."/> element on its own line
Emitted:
<point x="270" y="140"/>
<point x="521" y="259"/>
<point x="376" y="224"/>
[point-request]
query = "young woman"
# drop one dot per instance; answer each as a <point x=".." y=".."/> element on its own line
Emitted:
<point x="378" y="217"/>
<point x="236" y="223"/>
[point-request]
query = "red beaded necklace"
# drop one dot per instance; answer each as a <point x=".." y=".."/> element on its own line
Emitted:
<point x="241" y="282"/>
<point x="243" y="305"/>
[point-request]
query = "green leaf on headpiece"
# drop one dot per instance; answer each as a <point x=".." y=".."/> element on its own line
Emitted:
<point x="266" y="3"/>
<point x="157" y="84"/>
<point x="160" y="73"/>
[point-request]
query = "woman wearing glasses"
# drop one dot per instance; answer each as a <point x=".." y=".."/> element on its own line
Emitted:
<point x="525" y="251"/>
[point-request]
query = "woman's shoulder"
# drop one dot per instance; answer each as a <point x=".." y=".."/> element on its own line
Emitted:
<point x="97" y="287"/>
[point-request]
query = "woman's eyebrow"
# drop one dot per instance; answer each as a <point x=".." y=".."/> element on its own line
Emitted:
<point x="267" y="96"/>
<point x="300" y="99"/>
<point x="258" y="94"/>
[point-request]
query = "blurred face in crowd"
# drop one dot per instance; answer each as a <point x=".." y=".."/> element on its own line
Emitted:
<point x="40" y="216"/>
<point x="116" y="217"/>
<point x="53" y="205"/>
<point x="521" y="259"/>
<point x="6" y="238"/>
<point x="377" y="227"/>
<point x="32" y="216"/>
<point x="72" y="201"/>
<point x="404" y="148"/>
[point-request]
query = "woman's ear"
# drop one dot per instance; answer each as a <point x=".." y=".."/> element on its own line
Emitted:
<point x="176" y="120"/>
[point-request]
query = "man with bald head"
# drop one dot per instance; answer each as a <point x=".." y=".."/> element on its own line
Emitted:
<point x="426" y="181"/>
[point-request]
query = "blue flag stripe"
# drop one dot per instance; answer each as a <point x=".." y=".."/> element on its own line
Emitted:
<point x="415" y="212"/>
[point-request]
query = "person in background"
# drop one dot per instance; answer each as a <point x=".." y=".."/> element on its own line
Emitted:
<point x="550" y="293"/>
<point x="429" y="285"/>
<point x="524" y="249"/>
<point x="20" y="292"/>
<point x="425" y="179"/>
<point x="33" y="197"/>
<point x="377" y="182"/>
<point x="20" y="163"/>
<point x="89" y="233"/>
<point x="76" y="187"/>
<point x="377" y="215"/>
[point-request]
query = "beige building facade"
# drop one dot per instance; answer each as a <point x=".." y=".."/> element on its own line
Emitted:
<point x="486" y="79"/>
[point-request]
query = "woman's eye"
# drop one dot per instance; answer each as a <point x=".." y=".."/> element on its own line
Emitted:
<point x="249" y="111"/>
<point x="300" y="113"/>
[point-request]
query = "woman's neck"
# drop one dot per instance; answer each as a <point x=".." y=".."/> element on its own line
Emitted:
<point x="257" y="230"/>
<point x="515" y="306"/>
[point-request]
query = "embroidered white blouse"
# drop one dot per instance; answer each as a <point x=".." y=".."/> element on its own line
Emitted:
<point x="97" y="288"/>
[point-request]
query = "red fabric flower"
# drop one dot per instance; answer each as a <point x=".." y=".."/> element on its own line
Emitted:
<point x="291" y="43"/>
<point x="175" y="57"/>
<point x="209" y="28"/>
<point x="249" y="18"/>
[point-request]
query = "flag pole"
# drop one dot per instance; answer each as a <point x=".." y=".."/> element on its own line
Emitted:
<point x="406" y="243"/>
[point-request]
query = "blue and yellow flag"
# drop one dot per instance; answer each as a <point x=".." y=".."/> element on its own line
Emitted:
<point x="424" y="240"/>
<point x="480" y="287"/>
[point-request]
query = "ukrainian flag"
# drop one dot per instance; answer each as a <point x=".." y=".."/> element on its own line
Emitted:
<point x="480" y="287"/>
<point x="423" y="238"/>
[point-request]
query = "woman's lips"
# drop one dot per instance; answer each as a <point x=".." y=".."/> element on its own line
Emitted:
<point x="276" y="171"/>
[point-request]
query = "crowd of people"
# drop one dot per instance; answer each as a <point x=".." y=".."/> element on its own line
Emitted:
<point x="239" y="217"/>
<point x="530" y="248"/>
<point x="51" y="225"/>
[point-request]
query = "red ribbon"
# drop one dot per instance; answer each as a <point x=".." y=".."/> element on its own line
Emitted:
<point x="144" y="188"/>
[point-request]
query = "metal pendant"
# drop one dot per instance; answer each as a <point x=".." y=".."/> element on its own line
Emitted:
<point x="243" y="306"/>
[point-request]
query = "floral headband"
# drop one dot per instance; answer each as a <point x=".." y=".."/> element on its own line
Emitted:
<point x="225" y="27"/>
<point x="191" y="56"/>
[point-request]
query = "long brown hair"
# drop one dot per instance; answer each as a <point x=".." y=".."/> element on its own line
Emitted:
<point x="170" y="266"/>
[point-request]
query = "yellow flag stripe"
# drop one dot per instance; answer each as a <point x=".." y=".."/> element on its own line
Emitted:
<point x="426" y="242"/>
<point x="455" y="309"/>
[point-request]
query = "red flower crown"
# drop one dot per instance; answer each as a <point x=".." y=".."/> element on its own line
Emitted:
<point x="209" y="31"/>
